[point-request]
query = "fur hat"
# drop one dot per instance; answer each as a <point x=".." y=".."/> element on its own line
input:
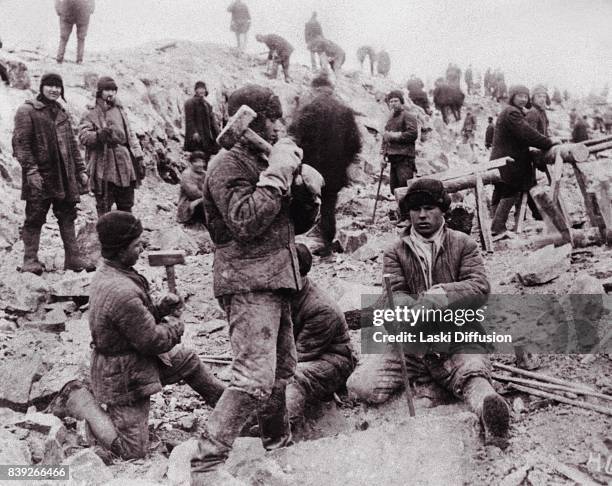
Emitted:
<point x="424" y="191"/>
<point x="262" y="100"/>
<point x="106" y="83"/>
<point x="396" y="93"/>
<point x="117" y="229"/>
<point x="540" y="89"/>
<point x="304" y="258"/>
<point x="517" y="89"/>
<point x="52" y="79"/>
<point x="201" y="84"/>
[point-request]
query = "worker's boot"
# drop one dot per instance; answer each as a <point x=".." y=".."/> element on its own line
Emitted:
<point x="223" y="427"/>
<point x="72" y="259"/>
<point x="75" y="400"/>
<point x="207" y="385"/>
<point x="273" y="419"/>
<point x="31" y="242"/>
<point x="490" y="407"/>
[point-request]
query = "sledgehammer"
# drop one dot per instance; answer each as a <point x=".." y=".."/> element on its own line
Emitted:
<point x="168" y="259"/>
<point x="238" y="127"/>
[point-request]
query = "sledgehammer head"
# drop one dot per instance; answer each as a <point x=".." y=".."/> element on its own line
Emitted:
<point x="166" y="258"/>
<point x="236" y="127"/>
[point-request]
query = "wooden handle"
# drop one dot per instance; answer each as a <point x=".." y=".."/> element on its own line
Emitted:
<point x="171" y="276"/>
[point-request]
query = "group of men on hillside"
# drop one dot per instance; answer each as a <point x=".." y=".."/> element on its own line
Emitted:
<point x="290" y="343"/>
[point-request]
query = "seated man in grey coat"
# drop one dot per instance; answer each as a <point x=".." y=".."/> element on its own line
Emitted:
<point x="442" y="269"/>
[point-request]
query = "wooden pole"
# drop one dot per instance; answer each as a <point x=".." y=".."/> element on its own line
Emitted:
<point x="540" y="376"/>
<point x="550" y="386"/>
<point x="569" y="152"/>
<point x="520" y="214"/>
<point x="593" y="149"/>
<point x="551" y="212"/>
<point x="562" y="399"/>
<point x="580" y="238"/>
<point x="597" y="141"/>
<point x="483" y="215"/>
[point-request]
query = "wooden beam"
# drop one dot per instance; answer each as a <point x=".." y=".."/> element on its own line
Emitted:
<point x="458" y="184"/>
<point x="581" y="238"/>
<point x="599" y="198"/>
<point x="464" y="171"/>
<point x="551" y="212"/>
<point x="569" y="152"/>
<point x="597" y="141"/>
<point x="593" y="149"/>
<point x="582" y="185"/>
<point x="482" y="211"/>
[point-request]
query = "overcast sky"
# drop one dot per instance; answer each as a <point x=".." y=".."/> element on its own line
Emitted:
<point x="560" y="42"/>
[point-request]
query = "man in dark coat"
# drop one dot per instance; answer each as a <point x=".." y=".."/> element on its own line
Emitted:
<point x="115" y="158"/>
<point x="440" y="268"/>
<point x="401" y="132"/>
<point x="279" y="52"/>
<point x="469" y="128"/>
<point x="52" y="171"/>
<point x="201" y="129"/>
<point x="253" y="211"/>
<point x="240" y="23"/>
<point x="489" y="133"/>
<point x="513" y="137"/>
<point x="580" y="132"/>
<point x="370" y="53"/>
<point x="536" y="116"/>
<point x="417" y="94"/>
<point x="327" y="131"/>
<point x="71" y="13"/>
<point x="312" y="30"/>
<point x="325" y="356"/>
<point x="135" y="347"/>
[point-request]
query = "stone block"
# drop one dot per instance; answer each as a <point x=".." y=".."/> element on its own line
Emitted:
<point x="545" y="265"/>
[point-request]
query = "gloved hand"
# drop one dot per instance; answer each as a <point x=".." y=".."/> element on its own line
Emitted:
<point x="177" y="324"/>
<point x="311" y="179"/>
<point x="104" y="135"/>
<point x="35" y="181"/>
<point x="170" y="304"/>
<point x="83" y="179"/>
<point x="283" y="162"/>
<point x="141" y="168"/>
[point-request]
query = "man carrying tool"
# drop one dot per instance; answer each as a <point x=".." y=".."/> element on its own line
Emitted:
<point x="253" y="211"/>
<point x="401" y="132"/>
<point x="441" y="268"/>
<point x="116" y="165"/>
<point x="135" y="347"/>
<point x="279" y="53"/>
<point x="326" y="130"/>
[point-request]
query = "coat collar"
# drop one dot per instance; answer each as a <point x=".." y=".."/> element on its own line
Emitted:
<point x="39" y="105"/>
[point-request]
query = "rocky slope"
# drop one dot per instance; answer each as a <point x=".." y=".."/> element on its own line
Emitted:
<point x="44" y="337"/>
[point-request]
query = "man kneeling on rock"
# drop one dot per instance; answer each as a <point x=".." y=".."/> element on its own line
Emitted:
<point x="443" y="268"/>
<point x="135" y="347"/>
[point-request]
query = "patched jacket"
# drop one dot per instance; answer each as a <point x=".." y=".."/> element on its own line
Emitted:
<point x="115" y="161"/>
<point x="127" y="334"/>
<point x="407" y="125"/>
<point x="50" y="147"/>
<point x="253" y="227"/>
<point x="458" y="268"/>
<point x="319" y="326"/>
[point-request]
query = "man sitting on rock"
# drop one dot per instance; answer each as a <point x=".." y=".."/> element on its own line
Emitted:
<point x="325" y="356"/>
<point x="135" y="347"/>
<point x="442" y="268"/>
<point x="190" y="208"/>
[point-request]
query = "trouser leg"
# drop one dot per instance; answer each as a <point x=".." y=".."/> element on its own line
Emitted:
<point x="402" y="169"/>
<point x="186" y="365"/>
<point x="66" y="213"/>
<point x="264" y="359"/>
<point x="132" y="425"/>
<point x="327" y="222"/>
<point x="4" y="74"/>
<point x="36" y="214"/>
<point x="65" y="31"/>
<point x="81" y="31"/>
<point x="124" y="198"/>
<point x="505" y="205"/>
